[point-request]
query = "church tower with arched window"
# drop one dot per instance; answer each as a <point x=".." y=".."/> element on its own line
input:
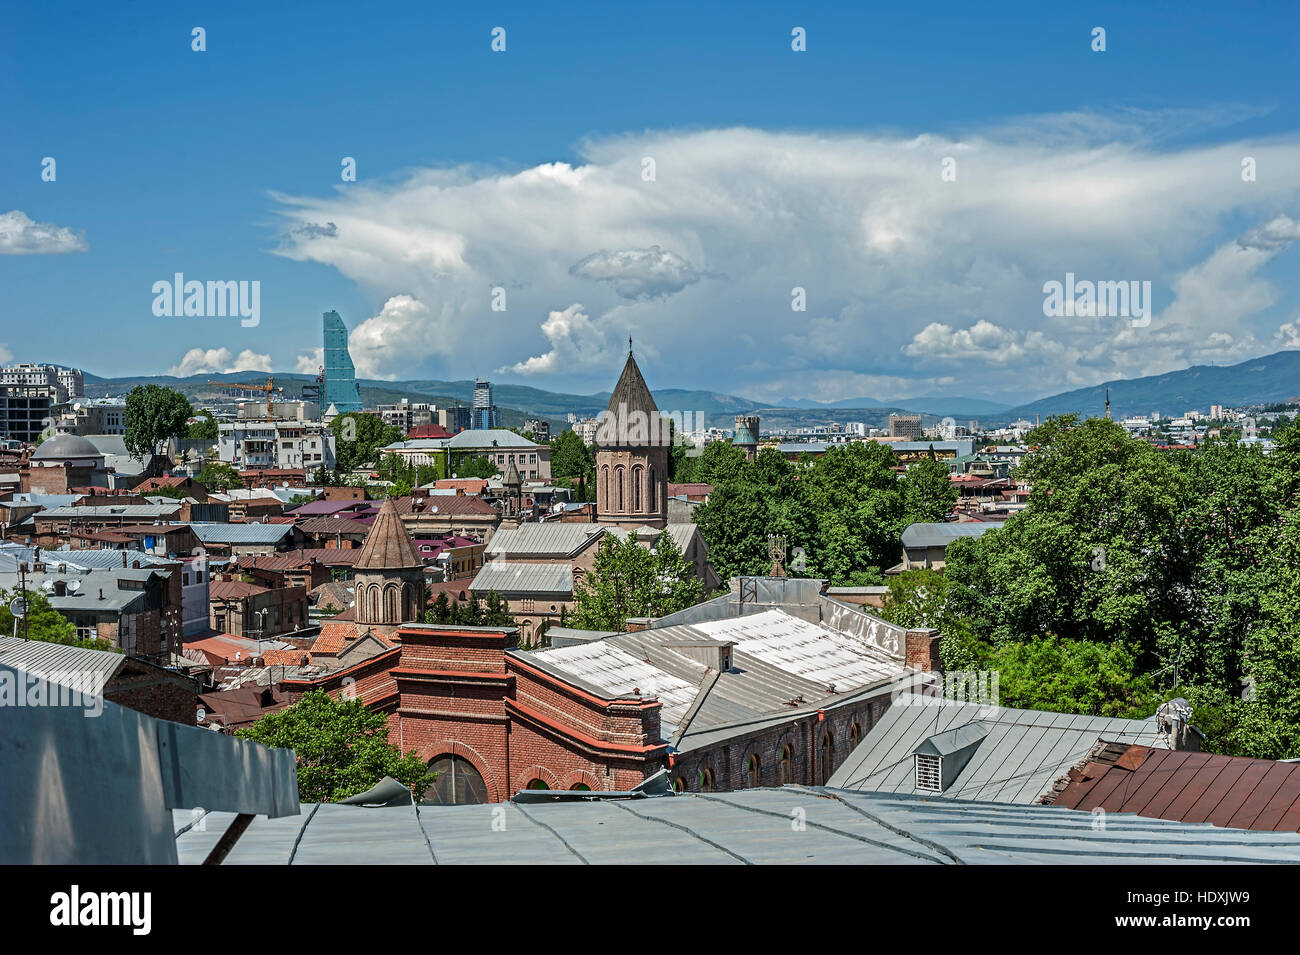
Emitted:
<point x="389" y="574"/>
<point x="632" y="455"/>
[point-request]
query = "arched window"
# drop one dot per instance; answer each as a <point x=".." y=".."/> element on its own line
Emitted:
<point x="752" y="771"/>
<point x="637" y="475"/>
<point x="537" y="784"/>
<point x="409" y="611"/>
<point x="706" y="780"/>
<point x="372" y="604"/>
<point x="618" y="479"/>
<point x="458" y="782"/>
<point x="828" y="752"/>
<point x="787" y="766"/>
<point x="391" y="614"/>
<point x="651" y="504"/>
<point x="604" y="488"/>
<point x="580" y="787"/>
<point x="855" y="736"/>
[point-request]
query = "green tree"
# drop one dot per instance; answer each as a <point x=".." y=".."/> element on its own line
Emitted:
<point x="440" y="612"/>
<point x="205" y="429"/>
<point x="570" y="458"/>
<point x="341" y="746"/>
<point x="154" y="415"/>
<point x="628" y="580"/>
<point x="219" y="476"/>
<point x="928" y="491"/>
<point x="476" y="467"/>
<point x="1092" y="677"/>
<point x="359" y="436"/>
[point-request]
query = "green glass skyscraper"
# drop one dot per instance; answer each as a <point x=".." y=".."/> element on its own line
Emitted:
<point x="340" y="375"/>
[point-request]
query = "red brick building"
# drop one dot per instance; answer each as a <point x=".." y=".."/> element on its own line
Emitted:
<point x="772" y="683"/>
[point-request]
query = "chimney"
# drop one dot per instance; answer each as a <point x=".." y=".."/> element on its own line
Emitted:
<point x="101" y="593"/>
<point x="922" y="650"/>
<point x="1174" y="723"/>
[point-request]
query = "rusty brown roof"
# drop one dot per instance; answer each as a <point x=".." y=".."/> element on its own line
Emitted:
<point x="388" y="546"/>
<point x="1236" y="792"/>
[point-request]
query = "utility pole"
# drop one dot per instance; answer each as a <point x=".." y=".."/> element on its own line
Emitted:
<point x="27" y="607"/>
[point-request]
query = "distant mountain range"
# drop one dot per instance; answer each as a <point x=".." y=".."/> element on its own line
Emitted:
<point x="1260" y="380"/>
<point x="1257" y="381"/>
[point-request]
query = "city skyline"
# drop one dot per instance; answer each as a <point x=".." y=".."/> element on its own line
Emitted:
<point x="776" y="183"/>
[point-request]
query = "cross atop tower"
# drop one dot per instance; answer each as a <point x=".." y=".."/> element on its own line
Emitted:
<point x="629" y="346"/>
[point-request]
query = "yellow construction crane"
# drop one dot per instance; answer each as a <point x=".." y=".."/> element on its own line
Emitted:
<point x="269" y="388"/>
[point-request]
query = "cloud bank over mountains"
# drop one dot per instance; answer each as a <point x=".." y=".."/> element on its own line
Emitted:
<point x="914" y="282"/>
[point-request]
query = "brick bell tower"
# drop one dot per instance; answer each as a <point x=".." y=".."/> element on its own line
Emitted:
<point x="389" y="573"/>
<point x="632" y="460"/>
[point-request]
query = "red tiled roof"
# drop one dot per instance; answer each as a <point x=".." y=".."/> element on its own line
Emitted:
<point x="428" y="431"/>
<point x="1235" y="792"/>
<point x="294" y="559"/>
<point x="444" y="504"/>
<point x="334" y="525"/>
<point x="288" y="658"/>
<point x="234" y="589"/>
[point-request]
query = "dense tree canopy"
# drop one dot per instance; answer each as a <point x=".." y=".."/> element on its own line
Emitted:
<point x="1159" y="573"/>
<point x="841" y="514"/>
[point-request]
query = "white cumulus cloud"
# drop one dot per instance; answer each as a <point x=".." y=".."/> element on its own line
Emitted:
<point x="19" y="235"/>
<point x="199" y="361"/>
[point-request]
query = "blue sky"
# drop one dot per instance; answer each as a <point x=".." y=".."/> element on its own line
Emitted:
<point x="205" y="163"/>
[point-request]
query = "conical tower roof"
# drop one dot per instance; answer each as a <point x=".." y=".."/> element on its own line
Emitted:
<point x="512" y="478"/>
<point x="631" y="393"/>
<point x="387" y="546"/>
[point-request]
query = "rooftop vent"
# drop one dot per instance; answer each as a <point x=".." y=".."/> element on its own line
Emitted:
<point x="941" y="758"/>
<point x="929" y="773"/>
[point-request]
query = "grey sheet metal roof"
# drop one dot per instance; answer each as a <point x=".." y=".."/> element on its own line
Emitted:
<point x="241" y="533"/>
<point x="91" y="582"/>
<point x="556" y="538"/>
<point x="79" y="668"/>
<point x="91" y="791"/>
<point x="1023" y="751"/>
<point x="519" y="577"/>
<point x="489" y="438"/>
<point x="134" y="511"/>
<point x="941" y="535"/>
<point x="751" y="826"/>
<point x="777" y="658"/>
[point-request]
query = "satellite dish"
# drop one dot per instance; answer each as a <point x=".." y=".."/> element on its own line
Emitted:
<point x="18" y="607"/>
<point x="434" y="509"/>
<point x="74" y="586"/>
<point x="48" y="586"/>
<point x="202" y="714"/>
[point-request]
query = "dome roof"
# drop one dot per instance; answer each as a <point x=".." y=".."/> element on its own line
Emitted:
<point x="66" y="446"/>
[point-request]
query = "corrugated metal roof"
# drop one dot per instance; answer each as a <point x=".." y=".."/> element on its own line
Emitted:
<point x="241" y="533"/>
<point x="79" y="668"/>
<point x="489" y="438"/>
<point x="941" y="535"/>
<point x="805" y="649"/>
<point x="135" y="511"/>
<point x="1023" y="751"/>
<point x="519" y="577"/>
<point x="751" y="826"/>
<point x="777" y="659"/>
<point x="557" y="538"/>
